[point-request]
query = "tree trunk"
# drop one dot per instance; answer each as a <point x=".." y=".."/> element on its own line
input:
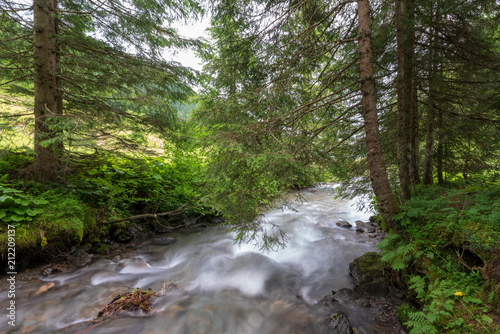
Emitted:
<point x="413" y="108"/>
<point x="404" y="43"/>
<point x="414" y="136"/>
<point x="378" y="175"/>
<point x="429" y="143"/>
<point x="47" y="105"/>
<point x="440" y="149"/>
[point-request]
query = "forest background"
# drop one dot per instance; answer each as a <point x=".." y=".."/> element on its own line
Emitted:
<point x="399" y="103"/>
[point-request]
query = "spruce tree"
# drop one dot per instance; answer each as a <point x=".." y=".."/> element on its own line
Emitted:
<point x="96" y="68"/>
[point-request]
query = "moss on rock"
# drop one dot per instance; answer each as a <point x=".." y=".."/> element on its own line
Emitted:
<point x="103" y="249"/>
<point x="366" y="268"/>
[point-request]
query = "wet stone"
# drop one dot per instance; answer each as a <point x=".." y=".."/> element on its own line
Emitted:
<point x="346" y="296"/>
<point x="367" y="227"/>
<point x="326" y="301"/>
<point x="51" y="270"/>
<point x="366" y="268"/>
<point x="163" y="240"/>
<point x="80" y="258"/>
<point x="339" y="323"/>
<point x="343" y="223"/>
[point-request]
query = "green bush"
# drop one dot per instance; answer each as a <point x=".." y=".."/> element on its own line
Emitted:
<point x="451" y="234"/>
<point x="153" y="184"/>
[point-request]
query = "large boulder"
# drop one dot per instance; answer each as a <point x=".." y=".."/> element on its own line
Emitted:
<point x="367" y="272"/>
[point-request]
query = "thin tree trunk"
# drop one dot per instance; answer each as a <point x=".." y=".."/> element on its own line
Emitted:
<point x="414" y="136"/>
<point x="440" y="149"/>
<point x="404" y="87"/>
<point x="413" y="108"/>
<point x="47" y="106"/>
<point x="429" y="143"/>
<point x="378" y="175"/>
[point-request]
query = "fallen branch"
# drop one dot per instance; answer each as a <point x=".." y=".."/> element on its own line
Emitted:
<point x="150" y="215"/>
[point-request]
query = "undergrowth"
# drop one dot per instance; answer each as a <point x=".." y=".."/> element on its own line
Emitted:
<point x="452" y="236"/>
<point x="51" y="218"/>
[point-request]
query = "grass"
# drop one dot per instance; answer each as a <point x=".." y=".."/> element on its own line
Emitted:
<point x="16" y="121"/>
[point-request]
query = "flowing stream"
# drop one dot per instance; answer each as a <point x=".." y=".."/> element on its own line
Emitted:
<point x="219" y="287"/>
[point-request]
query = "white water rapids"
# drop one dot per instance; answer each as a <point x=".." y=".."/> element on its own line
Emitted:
<point x="223" y="287"/>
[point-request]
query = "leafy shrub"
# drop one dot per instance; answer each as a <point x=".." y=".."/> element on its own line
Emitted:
<point x="16" y="206"/>
<point x="450" y="235"/>
<point x="153" y="184"/>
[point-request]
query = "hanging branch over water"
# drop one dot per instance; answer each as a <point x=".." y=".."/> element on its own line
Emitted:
<point x="175" y="212"/>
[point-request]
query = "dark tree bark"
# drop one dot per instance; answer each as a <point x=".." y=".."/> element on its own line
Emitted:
<point x="429" y="142"/>
<point x="378" y="175"/>
<point x="404" y="41"/>
<point x="413" y="108"/>
<point x="414" y="136"/>
<point x="440" y="149"/>
<point x="47" y="104"/>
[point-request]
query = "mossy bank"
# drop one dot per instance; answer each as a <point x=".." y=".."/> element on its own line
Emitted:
<point x="52" y="220"/>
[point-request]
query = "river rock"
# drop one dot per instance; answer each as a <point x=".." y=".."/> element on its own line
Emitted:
<point x="367" y="227"/>
<point x="80" y="258"/>
<point x="327" y="301"/>
<point x="55" y="268"/>
<point x="338" y="323"/>
<point x="346" y="296"/>
<point x="368" y="275"/>
<point x="163" y="240"/>
<point x="44" y="288"/>
<point x="366" y="268"/>
<point x="344" y="223"/>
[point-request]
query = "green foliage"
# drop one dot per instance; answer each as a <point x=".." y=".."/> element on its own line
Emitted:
<point x="468" y="216"/>
<point x="17" y="207"/>
<point x="46" y="218"/>
<point x="115" y="86"/>
<point x="447" y="305"/>
<point x="55" y="217"/>
<point x="150" y="184"/>
<point x="11" y="163"/>
<point x="273" y="108"/>
<point x="449" y="235"/>
<point x="244" y="178"/>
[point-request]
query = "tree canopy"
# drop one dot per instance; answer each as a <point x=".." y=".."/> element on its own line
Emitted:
<point x="282" y="95"/>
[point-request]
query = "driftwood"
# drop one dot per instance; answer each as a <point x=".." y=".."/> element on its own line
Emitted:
<point x="150" y="215"/>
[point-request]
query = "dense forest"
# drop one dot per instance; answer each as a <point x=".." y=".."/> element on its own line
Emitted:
<point x="397" y="101"/>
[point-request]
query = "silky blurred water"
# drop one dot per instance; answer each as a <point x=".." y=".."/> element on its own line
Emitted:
<point x="222" y="287"/>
